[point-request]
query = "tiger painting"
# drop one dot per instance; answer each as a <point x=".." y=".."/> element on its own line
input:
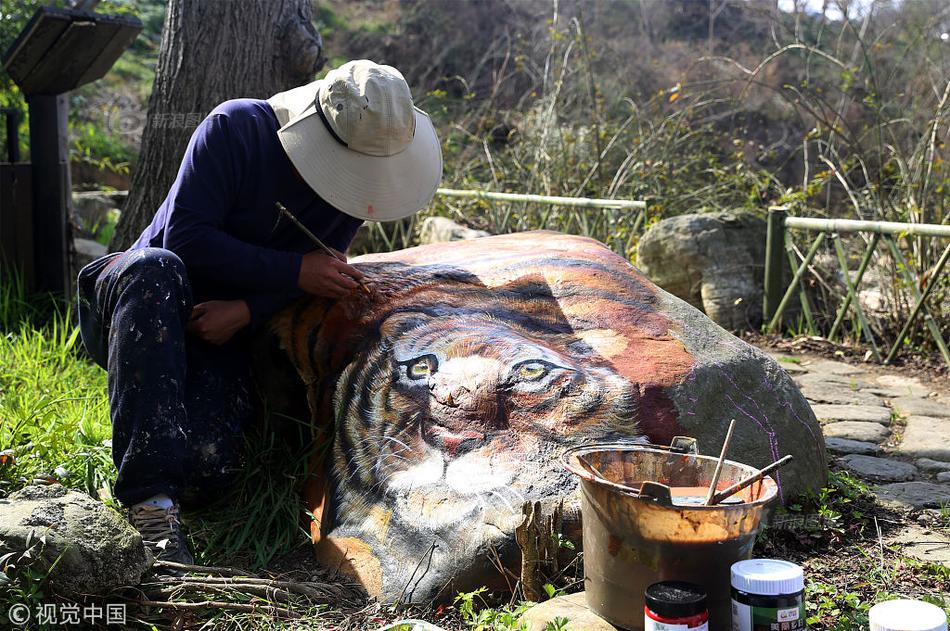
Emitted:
<point x="452" y="386"/>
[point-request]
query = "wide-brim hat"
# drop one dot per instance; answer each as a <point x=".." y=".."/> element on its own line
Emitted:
<point x="357" y="139"/>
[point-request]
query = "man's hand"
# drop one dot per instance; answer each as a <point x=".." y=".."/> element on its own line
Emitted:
<point x="326" y="276"/>
<point x="216" y="321"/>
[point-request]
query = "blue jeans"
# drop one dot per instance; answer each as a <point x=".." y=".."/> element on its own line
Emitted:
<point x="178" y="405"/>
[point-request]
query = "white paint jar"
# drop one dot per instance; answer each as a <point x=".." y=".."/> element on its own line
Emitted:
<point x="907" y="615"/>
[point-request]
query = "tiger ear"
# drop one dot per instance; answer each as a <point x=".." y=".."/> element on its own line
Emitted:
<point x="400" y="322"/>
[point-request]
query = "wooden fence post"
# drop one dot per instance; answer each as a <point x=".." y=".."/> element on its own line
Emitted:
<point x="774" y="262"/>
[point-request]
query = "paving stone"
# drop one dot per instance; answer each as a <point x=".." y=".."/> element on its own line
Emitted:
<point x="923" y="544"/>
<point x="899" y="386"/>
<point x="926" y="437"/>
<point x="943" y="476"/>
<point x="915" y="494"/>
<point x="789" y="363"/>
<point x="856" y="430"/>
<point x="906" y="406"/>
<point x="821" y="379"/>
<point x="879" y="469"/>
<point x="832" y="367"/>
<point x="847" y="446"/>
<point x="573" y="607"/>
<point x="866" y="413"/>
<point x="927" y="464"/>
<point x="830" y="392"/>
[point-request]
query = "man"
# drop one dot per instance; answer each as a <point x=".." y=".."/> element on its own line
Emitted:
<point x="169" y="318"/>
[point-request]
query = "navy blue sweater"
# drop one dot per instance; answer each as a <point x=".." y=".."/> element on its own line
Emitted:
<point x="220" y="215"/>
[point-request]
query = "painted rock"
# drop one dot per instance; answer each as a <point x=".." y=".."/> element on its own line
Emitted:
<point x="457" y="378"/>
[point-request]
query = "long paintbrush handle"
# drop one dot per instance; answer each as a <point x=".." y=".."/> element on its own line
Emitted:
<point x="755" y="477"/>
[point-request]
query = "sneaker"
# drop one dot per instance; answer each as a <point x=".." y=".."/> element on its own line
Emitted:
<point x="161" y="532"/>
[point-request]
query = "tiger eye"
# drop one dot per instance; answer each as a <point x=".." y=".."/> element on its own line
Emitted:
<point x="419" y="369"/>
<point x="532" y="371"/>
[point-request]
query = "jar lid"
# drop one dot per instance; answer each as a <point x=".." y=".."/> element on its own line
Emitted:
<point x="767" y="577"/>
<point x="671" y="599"/>
<point x="907" y="615"/>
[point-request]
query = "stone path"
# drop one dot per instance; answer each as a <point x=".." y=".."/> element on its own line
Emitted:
<point x="891" y="430"/>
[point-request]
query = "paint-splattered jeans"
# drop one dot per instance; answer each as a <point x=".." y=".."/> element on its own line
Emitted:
<point x="178" y="404"/>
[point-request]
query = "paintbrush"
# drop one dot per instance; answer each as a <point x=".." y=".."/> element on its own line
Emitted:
<point x="316" y="240"/>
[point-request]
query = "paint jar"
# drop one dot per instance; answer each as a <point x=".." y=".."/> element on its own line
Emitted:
<point x="675" y="606"/>
<point x="907" y="615"/>
<point x="767" y="595"/>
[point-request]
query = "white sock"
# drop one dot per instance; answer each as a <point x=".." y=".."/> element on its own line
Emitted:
<point x="161" y="500"/>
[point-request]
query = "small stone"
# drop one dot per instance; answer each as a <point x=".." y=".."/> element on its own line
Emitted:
<point x="573" y="607"/>
<point x="856" y="430"/>
<point x="943" y="476"/>
<point x="926" y="437"/>
<point x="847" y="446"/>
<point x="916" y="406"/>
<point x="833" y="367"/>
<point x="879" y="469"/>
<point x="924" y="544"/>
<point x="865" y="413"/>
<point x="914" y="494"/>
<point x="926" y="464"/>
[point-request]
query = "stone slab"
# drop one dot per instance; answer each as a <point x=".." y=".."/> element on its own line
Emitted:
<point x="933" y="466"/>
<point x="900" y="386"/>
<point x="923" y="544"/>
<point x="879" y="469"/>
<point x="573" y="607"/>
<point x="830" y="392"/>
<point x="856" y="430"/>
<point x="832" y="367"/>
<point x="914" y="494"/>
<point x="943" y="476"/>
<point x="926" y="437"/>
<point x="789" y="363"/>
<point x="823" y="379"/>
<point x="916" y="406"/>
<point x="865" y="413"/>
<point x="848" y="446"/>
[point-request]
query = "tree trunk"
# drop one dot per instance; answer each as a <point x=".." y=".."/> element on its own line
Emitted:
<point x="212" y="51"/>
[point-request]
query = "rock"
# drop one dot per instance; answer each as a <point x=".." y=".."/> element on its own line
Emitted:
<point x="789" y="363"/>
<point x="926" y="437"/>
<point x="573" y="608"/>
<point x="879" y="469"/>
<point x="906" y="406"/>
<point x="97" y="549"/>
<point x="900" y="386"/>
<point x="835" y="394"/>
<point x="943" y="476"/>
<point x="847" y="446"/>
<point x="926" y="464"/>
<point x="496" y="354"/>
<point x="864" y="413"/>
<point x="856" y="430"/>
<point x="818" y="379"/>
<point x="925" y="545"/>
<point x="88" y="251"/>
<point x="831" y="367"/>
<point x="712" y="261"/>
<point x="439" y="229"/>
<point x="915" y="494"/>
<point x="91" y="208"/>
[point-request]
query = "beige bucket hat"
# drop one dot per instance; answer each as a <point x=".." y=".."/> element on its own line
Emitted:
<point x="356" y="138"/>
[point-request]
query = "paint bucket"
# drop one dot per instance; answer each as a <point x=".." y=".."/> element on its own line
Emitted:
<point x="644" y="522"/>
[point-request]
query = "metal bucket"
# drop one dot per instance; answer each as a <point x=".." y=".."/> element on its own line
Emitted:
<point x="636" y="534"/>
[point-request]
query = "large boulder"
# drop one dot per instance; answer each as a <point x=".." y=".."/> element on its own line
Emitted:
<point x="453" y="383"/>
<point x="714" y="261"/>
<point x="94" y="549"/>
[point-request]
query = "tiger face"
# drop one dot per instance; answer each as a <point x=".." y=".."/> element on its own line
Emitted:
<point x="474" y="413"/>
